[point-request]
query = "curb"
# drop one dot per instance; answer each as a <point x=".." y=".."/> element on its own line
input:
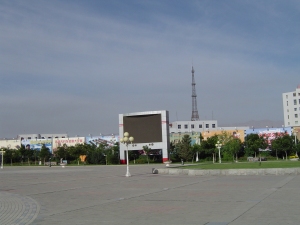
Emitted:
<point x="217" y="172"/>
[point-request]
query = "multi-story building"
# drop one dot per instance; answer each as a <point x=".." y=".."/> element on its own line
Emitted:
<point x="207" y="128"/>
<point x="291" y="108"/>
<point x="193" y="126"/>
<point x="40" y="136"/>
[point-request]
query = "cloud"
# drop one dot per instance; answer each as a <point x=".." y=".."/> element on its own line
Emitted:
<point x="89" y="61"/>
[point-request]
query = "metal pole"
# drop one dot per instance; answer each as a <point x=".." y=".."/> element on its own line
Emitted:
<point x="2" y="153"/>
<point x="126" y="140"/>
<point x="127" y="160"/>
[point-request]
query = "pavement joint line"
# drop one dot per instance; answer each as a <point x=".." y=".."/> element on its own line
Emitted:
<point x="180" y="199"/>
<point x="111" y="201"/>
<point x="21" y="210"/>
<point x="267" y="193"/>
<point x="82" y="187"/>
<point x="66" y="181"/>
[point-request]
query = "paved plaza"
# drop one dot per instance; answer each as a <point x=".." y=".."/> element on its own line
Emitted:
<point x="103" y="195"/>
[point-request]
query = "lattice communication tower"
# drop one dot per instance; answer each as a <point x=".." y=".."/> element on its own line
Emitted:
<point x="195" y="115"/>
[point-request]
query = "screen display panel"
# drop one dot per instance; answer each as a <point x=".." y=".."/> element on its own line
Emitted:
<point x="144" y="128"/>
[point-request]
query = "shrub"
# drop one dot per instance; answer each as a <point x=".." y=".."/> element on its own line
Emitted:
<point x="141" y="160"/>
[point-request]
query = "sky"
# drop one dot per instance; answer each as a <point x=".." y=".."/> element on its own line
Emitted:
<point x="70" y="66"/>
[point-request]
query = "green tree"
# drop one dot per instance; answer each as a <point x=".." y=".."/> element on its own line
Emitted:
<point x="233" y="146"/>
<point x="225" y="137"/>
<point x="29" y="155"/>
<point x="209" y="146"/>
<point x="45" y="153"/>
<point x="35" y="155"/>
<point x="284" y="144"/>
<point x="133" y="155"/>
<point x="184" y="148"/>
<point x="196" y="148"/>
<point x="96" y="154"/>
<point x="253" y="142"/>
<point x="173" y="152"/>
<point x="112" y="153"/>
<point x="62" y="152"/>
<point x="147" y="151"/>
<point x="297" y="148"/>
<point x="9" y="156"/>
<point x="22" y="153"/>
<point x="114" y="158"/>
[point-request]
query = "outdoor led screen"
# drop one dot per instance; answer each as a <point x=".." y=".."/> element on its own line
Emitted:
<point x="144" y="128"/>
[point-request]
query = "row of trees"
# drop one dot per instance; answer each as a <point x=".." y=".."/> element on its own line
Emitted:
<point x="232" y="148"/>
<point x="95" y="154"/>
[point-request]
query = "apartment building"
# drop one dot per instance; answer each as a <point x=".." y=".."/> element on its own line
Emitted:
<point x="291" y="108"/>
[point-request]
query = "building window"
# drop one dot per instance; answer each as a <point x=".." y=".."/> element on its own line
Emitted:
<point x="207" y="125"/>
<point x="296" y="115"/>
<point x="295" y="102"/>
<point x="192" y="126"/>
<point x="299" y="101"/>
<point x="179" y="126"/>
<point x="296" y="122"/>
<point x="186" y="126"/>
<point x="288" y="117"/>
<point x="288" y="123"/>
<point x="295" y="109"/>
<point x="294" y="94"/>
<point x="213" y="125"/>
<point x="200" y="125"/>
<point x="287" y="103"/>
<point x="288" y="110"/>
<point x="29" y="138"/>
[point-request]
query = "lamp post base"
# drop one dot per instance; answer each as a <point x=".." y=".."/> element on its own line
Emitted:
<point x="128" y="174"/>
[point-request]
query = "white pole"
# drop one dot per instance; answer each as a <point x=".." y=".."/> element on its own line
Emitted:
<point x="126" y="140"/>
<point x="2" y="158"/>
<point x="218" y="145"/>
<point x="127" y="161"/>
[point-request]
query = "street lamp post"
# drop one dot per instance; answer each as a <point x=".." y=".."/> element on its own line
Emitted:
<point x="219" y="145"/>
<point x="2" y="153"/>
<point x="198" y="142"/>
<point x="295" y="134"/>
<point x="127" y="140"/>
<point x="113" y="141"/>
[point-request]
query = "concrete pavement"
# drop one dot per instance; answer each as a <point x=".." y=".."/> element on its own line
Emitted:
<point x="103" y="195"/>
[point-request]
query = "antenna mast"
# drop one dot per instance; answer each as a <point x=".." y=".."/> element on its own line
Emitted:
<point x="195" y="115"/>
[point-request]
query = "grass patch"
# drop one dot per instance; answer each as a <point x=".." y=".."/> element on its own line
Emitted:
<point x="245" y="165"/>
